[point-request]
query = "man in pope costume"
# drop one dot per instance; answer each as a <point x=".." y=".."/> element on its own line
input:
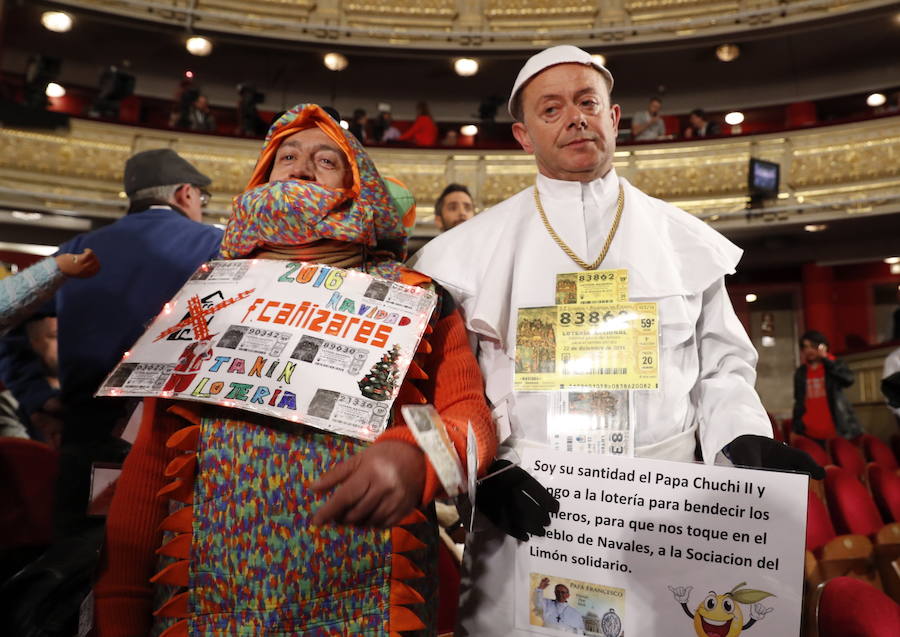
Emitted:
<point x="580" y="215"/>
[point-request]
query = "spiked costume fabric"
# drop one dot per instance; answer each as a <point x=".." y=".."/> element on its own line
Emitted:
<point x="230" y="490"/>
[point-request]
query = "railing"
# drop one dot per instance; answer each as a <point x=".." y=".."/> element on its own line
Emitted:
<point x="479" y="24"/>
<point x="827" y="173"/>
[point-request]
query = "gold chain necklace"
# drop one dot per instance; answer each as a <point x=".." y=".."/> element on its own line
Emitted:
<point x="562" y="244"/>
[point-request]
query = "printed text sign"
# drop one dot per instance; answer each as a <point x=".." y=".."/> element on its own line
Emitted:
<point x="649" y="547"/>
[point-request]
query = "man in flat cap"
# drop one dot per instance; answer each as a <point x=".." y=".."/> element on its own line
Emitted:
<point x="147" y="255"/>
<point x="580" y="215"/>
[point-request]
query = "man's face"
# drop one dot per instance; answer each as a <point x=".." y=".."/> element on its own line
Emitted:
<point x="568" y="123"/>
<point x="201" y="102"/>
<point x="696" y="121"/>
<point x="457" y="207"/>
<point x="654" y="108"/>
<point x="311" y="155"/>
<point x="561" y="592"/>
<point x="812" y="352"/>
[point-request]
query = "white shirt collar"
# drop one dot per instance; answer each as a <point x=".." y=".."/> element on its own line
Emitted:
<point x="561" y="189"/>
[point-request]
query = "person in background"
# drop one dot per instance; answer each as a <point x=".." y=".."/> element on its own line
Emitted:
<point x="423" y="132"/>
<point x="200" y="117"/>
<point x="383" y="130"/>
<point x="453" y="207"/>
<point x="23" y="293"/>
<point x="20" y="296"/>
<point x="821" y="411"/>
<point x="358" y="126"/>
<point x="147" y="255"/>
<point x="700" y="125"/>
<point x="649" y="124"/>
<point x="450" y="138"/>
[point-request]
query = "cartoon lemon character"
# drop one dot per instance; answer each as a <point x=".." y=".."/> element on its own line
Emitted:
<point x="721" y="615"/>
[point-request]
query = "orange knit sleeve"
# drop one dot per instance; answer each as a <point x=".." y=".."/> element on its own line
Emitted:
<point x="123" y="592"/>
<point x="456" y="389"/>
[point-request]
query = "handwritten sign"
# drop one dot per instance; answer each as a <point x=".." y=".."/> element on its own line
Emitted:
<point x="303" y="342"/>
<point x="650" y="547"/>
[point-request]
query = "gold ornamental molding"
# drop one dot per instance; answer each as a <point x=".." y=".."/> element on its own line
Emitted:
<point x="479" y="24"/>
<point x="827" y="173"/>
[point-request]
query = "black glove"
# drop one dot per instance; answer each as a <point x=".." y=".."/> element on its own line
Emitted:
<point x="515" y="502"/>
<point x="760" y="452"/>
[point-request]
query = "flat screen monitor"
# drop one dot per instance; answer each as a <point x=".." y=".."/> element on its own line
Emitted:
<point x="763" y="178"/>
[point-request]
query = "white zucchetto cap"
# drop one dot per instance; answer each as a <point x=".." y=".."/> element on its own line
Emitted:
<point x="563" y="54"/>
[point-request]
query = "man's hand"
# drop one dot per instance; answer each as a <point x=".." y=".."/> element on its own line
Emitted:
<point x="80" y="266"/>
<point x="544" y="583"/>
<point x="765" y="453"/>
<point x="378" y="487"/>
<point x="48" y="420"/>
<point x="50" y="426"/>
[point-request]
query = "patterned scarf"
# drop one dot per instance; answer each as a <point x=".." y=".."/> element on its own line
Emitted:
<point x="374" y="213"/>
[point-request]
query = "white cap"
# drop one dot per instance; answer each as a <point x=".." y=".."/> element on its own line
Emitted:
<point x="563" y="54"/>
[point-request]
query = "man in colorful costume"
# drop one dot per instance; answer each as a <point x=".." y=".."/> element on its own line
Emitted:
<point x="508" y="257"/>
<point x="255" y="550"/>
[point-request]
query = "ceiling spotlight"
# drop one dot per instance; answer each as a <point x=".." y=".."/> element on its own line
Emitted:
<point x="345" y="124"/>
<point x="750" y="298"/>
<point x="335" y="62"/>
<point x="55" y="90"/>
<point x="26" y="216"/>
<point x="728" y="52"/>
<point x="189" y="74"/>
<point x="469" y="130"/>
<point x="198" y="45"/>
<point x="876" y="99"/>
<point x="815" y="227"/>
<point x="892" y="260"/>
<point x="599" y="58"/>
<point x="466" y="67"/>
<point x="56" y="21"/>
<point x="734" y="118"/>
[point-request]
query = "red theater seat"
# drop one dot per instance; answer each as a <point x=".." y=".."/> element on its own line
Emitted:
<point x="811" y="447"/>
<point x="27" y="476"/>
<point x="851" y="608"/>
<point x="879" y="452"/>
<point x="851" y="505"/>
<point x="848" y="456"/>
<point x="819" y="529"/>
<point x="885" y="486"/>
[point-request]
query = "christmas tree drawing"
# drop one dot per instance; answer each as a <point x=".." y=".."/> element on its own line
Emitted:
<point x="381" y="380"/>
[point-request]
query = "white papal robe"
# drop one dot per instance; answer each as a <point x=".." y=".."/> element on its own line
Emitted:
<point x="504" y="259"/>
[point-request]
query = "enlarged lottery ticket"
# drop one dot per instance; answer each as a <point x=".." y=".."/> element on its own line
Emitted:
<point x="140" y="377"/>
<point x="598" y="346"/>
<point x="254" y="339"/>
<point x="592" y="286"/>
<point x="330" y="354"/>
<point x="591" y="421"/>
<point x="350" y="412"/>
<point x="216" y="271"/>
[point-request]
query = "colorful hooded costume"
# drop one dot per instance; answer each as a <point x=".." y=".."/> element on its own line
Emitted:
<point x="241" y="555"/>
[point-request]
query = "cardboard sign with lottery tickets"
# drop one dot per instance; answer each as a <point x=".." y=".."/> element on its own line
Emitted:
<point x="303" y="342"/>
